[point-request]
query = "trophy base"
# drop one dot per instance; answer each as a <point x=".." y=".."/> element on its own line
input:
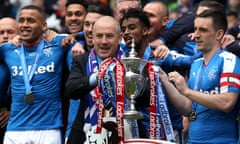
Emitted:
<point x="133" y="115"/>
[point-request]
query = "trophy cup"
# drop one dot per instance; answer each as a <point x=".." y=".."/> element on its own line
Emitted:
<point x="134" y="81"/>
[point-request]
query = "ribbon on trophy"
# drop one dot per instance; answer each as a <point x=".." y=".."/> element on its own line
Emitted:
<point x="119" y="68"/>
<point x="109" y="94"/>
<point x="109" y="91"/>
<point x="160" y="123"/>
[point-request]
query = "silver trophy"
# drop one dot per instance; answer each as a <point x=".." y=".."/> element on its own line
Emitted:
<point x="134" y="81"/>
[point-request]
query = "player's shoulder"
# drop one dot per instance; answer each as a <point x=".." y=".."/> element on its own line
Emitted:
<point x="8" y="46"/>
<point x="56" y="41"/>
<point x="226" y="55"/>
<point x="58" y="38"/>
<point x="198" y="60"/>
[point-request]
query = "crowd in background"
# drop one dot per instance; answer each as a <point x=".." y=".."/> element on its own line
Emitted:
<point x="55" y="9"/>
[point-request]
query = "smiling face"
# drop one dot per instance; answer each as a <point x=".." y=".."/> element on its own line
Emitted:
<point x="75" y="14"/>
<point x="133" y="28"/>
<point x="31" y="26"/>
<point x="106" y="37"/>
<point x="89" y="22"/>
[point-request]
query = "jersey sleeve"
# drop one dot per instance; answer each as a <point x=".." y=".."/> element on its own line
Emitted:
<point x="184" y="60"/>
<point x="230" y="77"/>
<point x="5" y="48"/>
<point x="2" y="51"/>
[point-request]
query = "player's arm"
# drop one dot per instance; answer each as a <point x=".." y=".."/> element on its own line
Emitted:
<point x="72" y="38"/>
<point x="181" y="60"/>
<point x="182" y="104"/>
<point x="4" y="47"/>
<point x="180" y="27"/>
<point x="224" y="101"/>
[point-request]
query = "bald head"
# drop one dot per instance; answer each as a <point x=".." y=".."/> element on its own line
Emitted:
<point x="8" y="20"/>
<point x="8" y="29"/>
<point x="106" y="37"/>
<point x="158" y="16"/>
<point x="158" y="6"/>
<point x="107" y="21"/>
<point x="122" y="7"/>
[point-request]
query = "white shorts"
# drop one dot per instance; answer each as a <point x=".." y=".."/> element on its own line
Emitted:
<point x="33" y="137"/>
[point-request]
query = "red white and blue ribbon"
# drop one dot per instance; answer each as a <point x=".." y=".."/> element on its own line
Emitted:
<point x="159" y="115"/>
<point x="120" y="71"/>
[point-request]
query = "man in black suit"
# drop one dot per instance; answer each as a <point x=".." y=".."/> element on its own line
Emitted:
<point x="82" y="80"/>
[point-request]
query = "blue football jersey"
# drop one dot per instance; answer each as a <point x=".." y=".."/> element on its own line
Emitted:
<point x="220" y="75"/>
<point x="46" y="111"/>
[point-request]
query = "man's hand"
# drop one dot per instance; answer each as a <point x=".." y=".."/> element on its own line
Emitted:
<point x="179" y="82"/>
<point x="226" y="40"/>
<point x="77" y="49"/>
<point x="191" y="36"/>
<point x="49" y="35"/>
<point x="16" y="40"/>
<point x="156" y="43"/>
<point x="4" y="117"/>
<point x="68" y="41"/>
<point x="161" y="52"/>
<point x="163" y="76"/>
